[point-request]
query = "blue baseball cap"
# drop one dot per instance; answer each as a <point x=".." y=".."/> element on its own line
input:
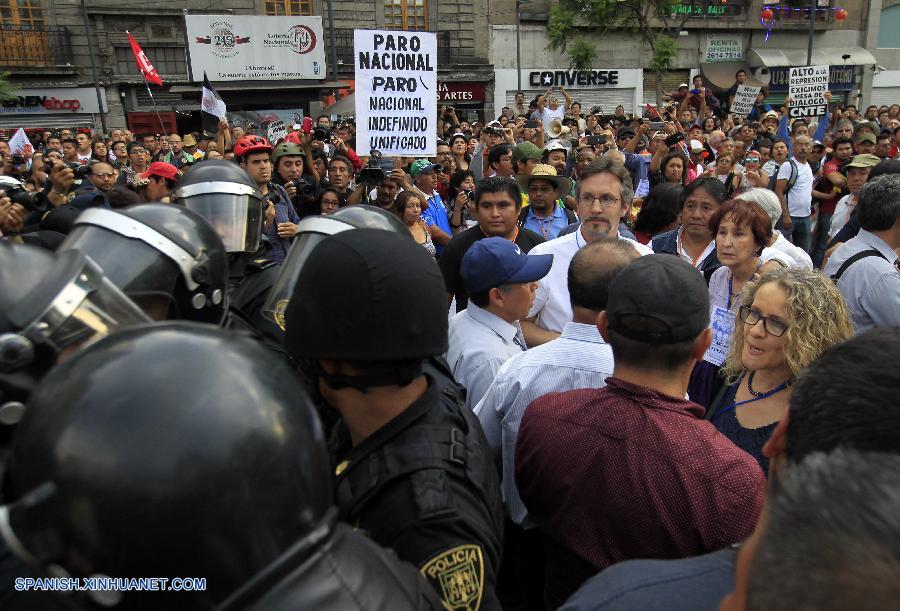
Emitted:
<point x="492" y="262"/>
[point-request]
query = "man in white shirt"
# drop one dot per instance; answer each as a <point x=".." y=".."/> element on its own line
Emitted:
<point x="857" y="175"/>
<point x="603" y="195"/>
<point x="796" y="201"/>
<point x="501" y="281"/>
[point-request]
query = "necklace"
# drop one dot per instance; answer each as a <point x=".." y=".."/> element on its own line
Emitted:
<point x="767" y="393"/>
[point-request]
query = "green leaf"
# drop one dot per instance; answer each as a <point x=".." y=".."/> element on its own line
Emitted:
<point x="8" y="91"/>
<point x="581" y="53"/>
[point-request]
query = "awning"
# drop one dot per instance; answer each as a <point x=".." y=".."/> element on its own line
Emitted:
<point x="721" y="74"/>
<point x="821" y="56"/>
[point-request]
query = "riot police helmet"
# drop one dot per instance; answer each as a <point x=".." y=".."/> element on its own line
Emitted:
<point x="224" y="194"/>
<point x="167" y="259"/>
<point x="310" y="232"/>
<point x="176" y="449"/>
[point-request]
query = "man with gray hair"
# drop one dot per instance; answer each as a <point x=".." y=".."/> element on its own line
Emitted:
<point x="865" y="267"/>
<point x="779" y="248"/>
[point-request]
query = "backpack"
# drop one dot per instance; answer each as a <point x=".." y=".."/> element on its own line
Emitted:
<point x="851" y="260"/>
<point x="795" y="171"/>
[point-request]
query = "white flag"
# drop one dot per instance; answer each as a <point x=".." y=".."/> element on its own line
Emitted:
<point x="19" y="144"/>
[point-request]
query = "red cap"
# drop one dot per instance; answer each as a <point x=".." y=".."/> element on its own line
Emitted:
<point x="163" y="170"/>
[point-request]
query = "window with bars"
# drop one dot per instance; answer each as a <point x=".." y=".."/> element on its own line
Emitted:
<point x="289" y="7"/>
<point x="26" y="14"/>
<point x="406" y="14"/>
<point x="168" y="61"/>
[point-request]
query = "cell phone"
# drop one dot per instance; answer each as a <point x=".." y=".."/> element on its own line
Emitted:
<point x="531" y="124"/>
<point x="307" y="125"/>
<point x="595" y="140"/>
<point x="657" y="126"/>
<point x="674" y="139"/>
<point x="695" y="91"/>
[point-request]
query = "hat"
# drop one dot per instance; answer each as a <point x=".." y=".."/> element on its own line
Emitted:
<point x="697" y="146"/>
<point x="493" y="262"/>
<point x="188" y="140"/>
<point x="865" y="138"/>
<point x="163" y="170"/>
<point x="624" y="130"/>
<point x="864" y="161"/>
<point x="287" y="149"/>
<point x="683" y="85"/>
<point x="525" y="150"/>
<point x="871" y="125"/>
<point x="770" y="115"/>
<point x="662" y="288"/>
<point x="548" y="173"/>
<point x="555" y="145"/>
<point x="422" y="165"/>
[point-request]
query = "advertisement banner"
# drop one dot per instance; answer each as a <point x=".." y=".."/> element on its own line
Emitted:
<point x="806" y="88"/>
<point x="744" y="98"/>
<point x="396" y="92"/>
<point x="56" y="100"/>
<point x="246" y="47"/>
<point x="723" y="48"/>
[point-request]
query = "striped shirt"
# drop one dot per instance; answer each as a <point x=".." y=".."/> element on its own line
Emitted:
<point x="579" y="358"/>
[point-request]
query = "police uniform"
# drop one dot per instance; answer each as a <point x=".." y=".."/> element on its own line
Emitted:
<point x="424" y="485"/>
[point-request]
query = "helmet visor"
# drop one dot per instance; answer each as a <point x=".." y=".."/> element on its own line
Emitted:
<point x="88" y="308"/>
<point x="310" y="232"/>
<point x="238" y="219"/>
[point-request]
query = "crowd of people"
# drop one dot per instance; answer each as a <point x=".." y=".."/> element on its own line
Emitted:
<point x="573" y="360"/>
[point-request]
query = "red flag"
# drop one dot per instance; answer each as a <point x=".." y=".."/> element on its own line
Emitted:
<point x="143" y="63"/>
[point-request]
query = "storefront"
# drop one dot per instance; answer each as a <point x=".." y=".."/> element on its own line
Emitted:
<point x="885" y="88"/>
<point x="52" y="108"/>
<point x="466" y="98"/>
<point x="605" y="88"/>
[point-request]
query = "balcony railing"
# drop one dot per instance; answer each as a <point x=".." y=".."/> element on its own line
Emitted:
<point x="26" y="46"/>
<point x="448" y="52"/>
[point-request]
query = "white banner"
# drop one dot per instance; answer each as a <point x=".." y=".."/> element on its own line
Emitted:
<point x="19" y="144"/>
<point x="245" y="47"/>
<point x="396" y="92"/>
<point x="806" y="88"/>
<point x="744" y="98"/>
<point x="723" y="48"/>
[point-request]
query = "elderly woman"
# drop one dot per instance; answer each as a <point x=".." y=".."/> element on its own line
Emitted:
<point x="408" y="206"/>
<point x="724" y="171"/>
<point x="787" y="319"/>
<point x="742" y="230"/>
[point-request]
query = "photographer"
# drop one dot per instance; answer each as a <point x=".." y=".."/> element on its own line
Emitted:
<point x="102" y="176"/>
<point x="290" y="162"/>
<point x="491" y="136"/>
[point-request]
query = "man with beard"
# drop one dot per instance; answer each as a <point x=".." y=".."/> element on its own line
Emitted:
<point x="603" y="199"/>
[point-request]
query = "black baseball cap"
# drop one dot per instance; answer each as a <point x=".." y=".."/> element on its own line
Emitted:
<point x="660" y="287"/>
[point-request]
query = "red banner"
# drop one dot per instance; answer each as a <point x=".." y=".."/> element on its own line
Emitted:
<point x="143" y="63"/>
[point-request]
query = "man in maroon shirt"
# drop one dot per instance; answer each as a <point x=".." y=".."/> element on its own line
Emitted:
<point x="633" y="470"/>
<point x="835" y="183"/>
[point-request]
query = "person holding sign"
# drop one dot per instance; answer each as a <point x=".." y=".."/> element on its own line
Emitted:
<point x="790" y="317"/>
<point x="741" y="229"/>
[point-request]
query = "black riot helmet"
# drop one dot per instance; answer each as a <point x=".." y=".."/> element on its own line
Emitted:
<point x="310" y="232"/>
<point x="50" y="305"/>
<point x="176" y="449"/>
<point x="368" y="296"/>
<point x="159" y="255"/>
<point x="224" y="194"/>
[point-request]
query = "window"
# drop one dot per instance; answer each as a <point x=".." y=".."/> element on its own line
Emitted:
<point x="889" y="28"/>
<point x="289" y="7"/>
<point x="168" y="61"/>
<point x="406" y="14"/>
<point x="27" y="14"/>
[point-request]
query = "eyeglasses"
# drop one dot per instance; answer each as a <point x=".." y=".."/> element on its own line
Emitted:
<point x="104" y="175"/>
<point x="750" y="316"/>
<point x="607" y="201"/>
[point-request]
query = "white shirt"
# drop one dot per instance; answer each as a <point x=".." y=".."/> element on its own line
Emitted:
<point x="679" y="241"/>
<point x="548" y="115"/>
<point x="841" y="215"/>
<point x="787" y="253"/>
<point x="799" y="198"/>
<point x="579" y="358"/>
<point x="551" y="302"/>
<point x="479" y="343"/>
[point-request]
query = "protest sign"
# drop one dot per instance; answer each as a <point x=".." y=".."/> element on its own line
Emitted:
<point x="276" y="131"/>
<point x="19" y="144"/>
<point x="806" y="88"/>
<point x="396" y="92"/>
<point x="744" y="98"/>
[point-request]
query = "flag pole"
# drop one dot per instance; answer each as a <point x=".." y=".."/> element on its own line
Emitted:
<point x="161" y="126"/>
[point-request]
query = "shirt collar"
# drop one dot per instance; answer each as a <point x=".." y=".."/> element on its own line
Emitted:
<point x="870" y="239"/>
<point x="582" y="332"/>
<point x="557" y="212"/>
<point x="653" y="399"/>
<point x="581" y="242"/>
<point x="490" y="320"/>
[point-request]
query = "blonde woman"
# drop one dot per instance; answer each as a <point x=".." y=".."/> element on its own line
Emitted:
<point x="786" y="320"/>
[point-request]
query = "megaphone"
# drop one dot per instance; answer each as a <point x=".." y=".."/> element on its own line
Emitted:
<point x="557" y="129"/>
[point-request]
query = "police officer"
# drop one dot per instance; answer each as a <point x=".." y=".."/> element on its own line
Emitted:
<point x="213" y="466"/>
<point x="412" y="467"/>
<point x="167" y="259"/>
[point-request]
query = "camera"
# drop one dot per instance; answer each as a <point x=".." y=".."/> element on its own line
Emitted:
<point x="470" y="194"/>
<point x="304" y="187"/>
<point x="372" y="174"/>
<point x="17" y="194"/>
<point x="494" y="131"/>
<point x="17" y="159"/>
<point x="322" y="134"/>
<point x="81" y="170"/>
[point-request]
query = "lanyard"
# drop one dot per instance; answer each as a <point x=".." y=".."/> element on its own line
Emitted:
<point x="760" y="397"/>
<point x="731" y="282"/>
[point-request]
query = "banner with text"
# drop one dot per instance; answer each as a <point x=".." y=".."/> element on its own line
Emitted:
<point x="806" y="88"/>
<point x="396" y="92"/>
<point x="723" y="48"/>
<point x="244" y="47"/>
<point x="744" y="98"/>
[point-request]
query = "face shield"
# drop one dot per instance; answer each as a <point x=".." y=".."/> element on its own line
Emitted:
<point x="234" y="210"/>
<point x="310" y="232"/>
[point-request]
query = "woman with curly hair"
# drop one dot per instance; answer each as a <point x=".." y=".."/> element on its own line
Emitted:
<point x="460" y="149"/>
<point x="787" y="319"/>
